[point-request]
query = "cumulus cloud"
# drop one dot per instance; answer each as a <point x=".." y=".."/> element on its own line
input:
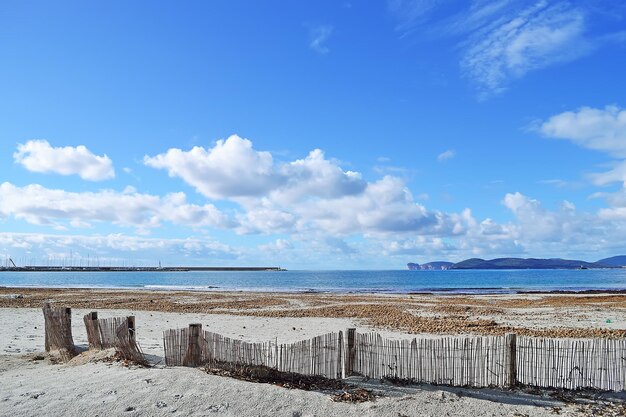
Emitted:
<point x="316" y="176"/>
<point x="55" y="207"/>
<point x="552" y="230"/>
<point x="602" y="130"/>
<point x="385" y="206"/>
<point x="598" y="129"/>
<point x="313" y="201"/>
<point x="319" y="35"/>
<point x="39" y="156"/>
<point x="232" y="168"/>
<point x="302" y="196"/>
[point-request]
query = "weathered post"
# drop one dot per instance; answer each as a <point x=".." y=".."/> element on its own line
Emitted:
<point x="131" y="328"/>
<point x="93" y="330"/>
<point x="341" y="370"/>
<point x="58" y="331"/>
<point x="194" y="348"/>
<point x="511" y="359"/>
<point x="349" y="365"/>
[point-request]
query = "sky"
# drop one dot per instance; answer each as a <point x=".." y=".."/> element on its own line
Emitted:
<point x="311" y="134"/>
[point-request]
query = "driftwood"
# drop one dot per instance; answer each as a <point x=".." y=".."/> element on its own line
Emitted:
<point x="58" y="331"/>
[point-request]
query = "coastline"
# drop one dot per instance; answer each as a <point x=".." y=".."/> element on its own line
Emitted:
<point x="94" y="383"/>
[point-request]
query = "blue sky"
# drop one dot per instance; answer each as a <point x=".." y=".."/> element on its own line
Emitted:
<point x="313" y="134"/>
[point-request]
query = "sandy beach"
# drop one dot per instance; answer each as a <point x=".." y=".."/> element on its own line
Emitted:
<point x="31" y="384"/>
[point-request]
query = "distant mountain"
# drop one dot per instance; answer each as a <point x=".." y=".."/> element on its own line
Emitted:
<point x="614" y="261"/>
<point x="530" y="263"/>
<point x="430" y="266"/>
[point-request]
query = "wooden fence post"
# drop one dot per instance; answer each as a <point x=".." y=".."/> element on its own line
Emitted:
<point x="131" y="328"/>
<point x="93" y="330"/>
<point x="58" y="331"/>
<point x="194" y="349"/>
<point x="511" y="359"/>
<point x="341" y="369"/>
<point x="349" y="365"/>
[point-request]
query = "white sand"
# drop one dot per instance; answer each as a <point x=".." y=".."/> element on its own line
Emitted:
<point x="33" y="388"/>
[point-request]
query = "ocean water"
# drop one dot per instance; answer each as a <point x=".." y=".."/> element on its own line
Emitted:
<point x="399" y="281"/>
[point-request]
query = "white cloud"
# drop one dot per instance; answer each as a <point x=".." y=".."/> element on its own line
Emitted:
<point x="559" y="183"/>
<point x="43" y="206"/>
<point x="306" y="196"/>
<point x="113" y="248"/>
<point x="443" y="156"/>
<point x="232" y="168"/>
<point x="602" y="130"/>
<point x="598" y="129"/>
<point x="39" y="156"/>
<point x="319" y="35"/>
<point x="521" y="41"/>
<point x="278" y="245"/>
<point x="314" y="202"/>
<point x="317" y="177"/>
<point x="500" y="41"/>
<point x="385" y="206"/>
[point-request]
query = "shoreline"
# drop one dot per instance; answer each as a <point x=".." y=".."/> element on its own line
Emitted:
<point x="428" y="291"/>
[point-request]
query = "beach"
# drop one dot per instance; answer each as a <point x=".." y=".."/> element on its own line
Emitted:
<point x="31" y="384"/>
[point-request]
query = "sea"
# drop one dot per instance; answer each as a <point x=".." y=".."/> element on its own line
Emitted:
<point x="395" y="281"/>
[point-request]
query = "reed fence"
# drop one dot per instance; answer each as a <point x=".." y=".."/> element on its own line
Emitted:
<point x="319" y="356"/>
<point x="58" y="331"/>
<point x="572" y="363"/>
<point x="475" y="361"/>
<point x="457" y="361"/>
<point x="114" y="332"/>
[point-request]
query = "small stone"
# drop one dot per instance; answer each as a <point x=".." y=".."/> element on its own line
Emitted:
<point x="130" y="409"/>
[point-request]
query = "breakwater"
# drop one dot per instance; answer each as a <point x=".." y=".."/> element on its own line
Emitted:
<point x="139" y="268"/>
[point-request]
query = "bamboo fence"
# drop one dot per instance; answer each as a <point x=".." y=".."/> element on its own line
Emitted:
<point x="474" y="361"/>
<point x="114" y="332"/>
<point x="58" y="331"/>
<point x="320" y="356"/>
<point x="572" y="363"/>
<point x="456" y="361"/>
